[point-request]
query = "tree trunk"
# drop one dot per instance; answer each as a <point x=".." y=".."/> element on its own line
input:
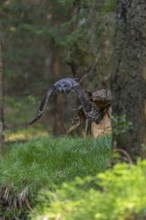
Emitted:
<point x="128" y="78"/>
<point x="58" y="125"/>
<point x="1" y="98"/>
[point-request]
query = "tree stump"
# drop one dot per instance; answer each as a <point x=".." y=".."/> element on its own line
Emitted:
<point x="102" y="98"/>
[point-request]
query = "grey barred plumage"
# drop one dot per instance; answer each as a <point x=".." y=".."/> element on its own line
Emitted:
<point x="92" y="112"/>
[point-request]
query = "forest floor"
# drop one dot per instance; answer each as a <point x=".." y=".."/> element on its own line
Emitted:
<point x="26" y="168"/>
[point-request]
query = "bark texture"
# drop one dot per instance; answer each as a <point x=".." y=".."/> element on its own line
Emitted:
<point x="128" y="77"/>
<point x="102" y="99"/>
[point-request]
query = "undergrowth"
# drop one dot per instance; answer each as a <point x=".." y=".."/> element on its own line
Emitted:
<point x="38" y="164"/>
<point x="117" y="194"/>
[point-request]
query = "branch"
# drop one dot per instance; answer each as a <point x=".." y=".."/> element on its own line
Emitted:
<point x="90" y="71"/>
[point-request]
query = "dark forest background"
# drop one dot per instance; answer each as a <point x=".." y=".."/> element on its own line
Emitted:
<point x="43" y="41"/>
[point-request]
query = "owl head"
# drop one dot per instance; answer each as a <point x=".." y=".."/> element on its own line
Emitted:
<point x="65" y="85"/>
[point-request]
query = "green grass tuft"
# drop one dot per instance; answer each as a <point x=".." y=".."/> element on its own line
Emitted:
<point x="38" y="164"/>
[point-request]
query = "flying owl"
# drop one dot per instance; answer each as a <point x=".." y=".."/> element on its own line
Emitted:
<point x="92" y="112"/>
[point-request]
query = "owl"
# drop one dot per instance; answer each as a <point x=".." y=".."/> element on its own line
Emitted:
<point x="66" y="85"/>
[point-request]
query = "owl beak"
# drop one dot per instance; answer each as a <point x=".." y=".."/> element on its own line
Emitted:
<point x="59" y="90"/>
<point x="63" y="90"/>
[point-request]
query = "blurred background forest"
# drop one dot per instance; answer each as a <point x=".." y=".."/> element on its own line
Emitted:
<point x="102" y="43"/>
<point x="43" y="41"/>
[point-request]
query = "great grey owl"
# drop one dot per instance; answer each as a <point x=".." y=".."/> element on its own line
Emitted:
<point x="92" y="112"/>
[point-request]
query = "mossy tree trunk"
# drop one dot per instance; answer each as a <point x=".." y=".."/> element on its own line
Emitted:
<point x="128" y="77"/>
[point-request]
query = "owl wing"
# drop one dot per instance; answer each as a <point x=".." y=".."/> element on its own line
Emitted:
<point x="91" y="111"/>
<point x="77" y="88"/>
<point x="83" y="98"/>
<point x="43" y="105"/>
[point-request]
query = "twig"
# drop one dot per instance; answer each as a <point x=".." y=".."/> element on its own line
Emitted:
<point x="125" y="153"/>
<point x="27" y="204"/>
<point x="90" y="71"/>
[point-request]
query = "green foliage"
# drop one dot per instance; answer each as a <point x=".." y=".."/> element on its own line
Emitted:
<point x="31" y="28"/>
<point x="117" y="194"/>
<point x="38" y="164"/>
<point x="121" y="124"/>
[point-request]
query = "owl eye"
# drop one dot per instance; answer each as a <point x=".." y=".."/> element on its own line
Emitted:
<point x="65" y="86"/>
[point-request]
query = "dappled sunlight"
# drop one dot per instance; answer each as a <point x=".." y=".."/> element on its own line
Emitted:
<point x="25" y="134"/>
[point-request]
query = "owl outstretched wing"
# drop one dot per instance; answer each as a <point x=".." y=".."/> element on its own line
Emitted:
<point x="43" y="105"/>
<point x="62" y="86"/>
<point x="91" y="111"/>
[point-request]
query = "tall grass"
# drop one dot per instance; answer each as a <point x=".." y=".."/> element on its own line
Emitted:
<point x="37" y="164"/>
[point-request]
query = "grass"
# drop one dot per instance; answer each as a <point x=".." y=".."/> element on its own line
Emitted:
<point x="38" y="164"/>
